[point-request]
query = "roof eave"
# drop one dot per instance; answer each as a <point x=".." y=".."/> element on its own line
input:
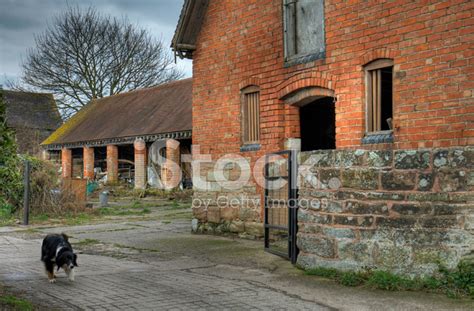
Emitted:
<point x="184" y="134"/>
<point x="188" y="28"/>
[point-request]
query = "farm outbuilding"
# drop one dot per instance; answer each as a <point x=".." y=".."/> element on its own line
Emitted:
<point x="110" y="137"/>
<point x="32" y="116"/>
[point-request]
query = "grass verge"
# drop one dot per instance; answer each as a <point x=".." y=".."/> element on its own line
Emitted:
<point x="15" y="303"/>
<point x="456" y="283"/>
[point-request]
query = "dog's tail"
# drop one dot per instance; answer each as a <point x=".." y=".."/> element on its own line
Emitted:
<point x="65" y="237"/>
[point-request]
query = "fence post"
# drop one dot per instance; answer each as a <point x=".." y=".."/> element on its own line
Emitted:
<point x="26" y="194"/>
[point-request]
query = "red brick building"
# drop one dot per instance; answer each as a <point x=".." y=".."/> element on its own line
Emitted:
<point x="393" y="79"/>
<point x="241" y="43"/>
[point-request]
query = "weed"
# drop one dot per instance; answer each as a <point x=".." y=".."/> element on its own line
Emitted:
<point x="454" y="283"/>
<point x="352" y="278"/>
<point x="324" y="272"/>
<point x="389" y="281"/>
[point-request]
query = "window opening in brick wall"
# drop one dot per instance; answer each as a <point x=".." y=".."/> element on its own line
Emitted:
<point x="304" y="37"/>
<point x="379" y="95"/>
<point x="251" y="115"/>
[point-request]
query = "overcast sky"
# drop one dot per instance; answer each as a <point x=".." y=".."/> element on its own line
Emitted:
<point x="21" y="19"/>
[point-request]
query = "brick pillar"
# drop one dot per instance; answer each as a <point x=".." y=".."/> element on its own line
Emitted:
<point x="171" y="170"/>
<point x="88" y="163"/>
<point x="66" y="162"/>
<point x="140" y="163"/>
<point x="112" y="163"/>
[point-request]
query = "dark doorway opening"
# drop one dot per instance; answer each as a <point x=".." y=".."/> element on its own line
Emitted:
<point x="318" y="125"/>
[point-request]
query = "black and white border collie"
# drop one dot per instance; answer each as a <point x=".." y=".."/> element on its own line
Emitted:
<point x="56" y="250"/>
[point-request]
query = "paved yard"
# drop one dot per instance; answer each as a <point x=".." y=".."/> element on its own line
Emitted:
<point x="154" y="264"/>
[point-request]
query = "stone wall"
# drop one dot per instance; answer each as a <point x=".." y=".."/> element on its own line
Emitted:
<point x="402" y="210"/>
<point x="225" y="206"/>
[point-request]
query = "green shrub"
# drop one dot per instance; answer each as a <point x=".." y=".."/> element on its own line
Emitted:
<point x="11" y="190"/>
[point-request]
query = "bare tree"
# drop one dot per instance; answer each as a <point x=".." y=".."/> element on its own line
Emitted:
<point x="85" y="55"/>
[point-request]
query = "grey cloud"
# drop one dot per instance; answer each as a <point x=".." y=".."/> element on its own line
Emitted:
<point x="21" y="19"/>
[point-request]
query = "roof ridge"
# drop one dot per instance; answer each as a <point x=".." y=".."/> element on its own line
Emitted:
<point x="27" y="92"/>
<point x="163" y="85"/>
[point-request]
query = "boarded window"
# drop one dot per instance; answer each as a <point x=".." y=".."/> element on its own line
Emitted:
<point x="379" y="94"/>
<point x="251" y="115"/>
<point x="304" y="30"/>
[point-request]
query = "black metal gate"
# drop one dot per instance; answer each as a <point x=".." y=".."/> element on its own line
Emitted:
<point x="281" y="207"/>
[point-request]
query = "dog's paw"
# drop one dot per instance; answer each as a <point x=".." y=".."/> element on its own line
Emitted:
<point x="52" y="281"/>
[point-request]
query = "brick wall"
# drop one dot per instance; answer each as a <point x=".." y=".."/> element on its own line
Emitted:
<point x="241" y="43"/>
<point x="398" y="210"/>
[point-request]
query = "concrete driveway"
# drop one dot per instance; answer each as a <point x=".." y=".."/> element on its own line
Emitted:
<point x="156" y="265"/>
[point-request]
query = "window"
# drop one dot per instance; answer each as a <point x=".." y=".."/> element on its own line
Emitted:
<point x="303" y="22"/>
<point x="379" y="95"/>
<point x="250" y="115"/>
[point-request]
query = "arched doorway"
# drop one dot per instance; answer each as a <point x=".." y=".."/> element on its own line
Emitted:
<point x="318" y="124"/>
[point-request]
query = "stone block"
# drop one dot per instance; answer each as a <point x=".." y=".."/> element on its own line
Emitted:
<point x="213" y="214"/>
<point x="339" y="233"/>
<point x="399" y="222"/>
<point x="314" y="218"/>
<point x="357" y="207"/>
<point x="425" y="181"/>
<point x="453" y="158"/>
<point x="322" y="194"/>
<point x="237" y="226"/>
<point x="469" y="222"/>
<point x="355" y="251"/>
<point x="412" y="209"/>
<point x="310" y="228"/>
<point x="332" y="206"/>
<point x="200" y="213"/>
<point x="398" y="180"/>
<point x="430" y="197"/>
<point x="450" y="180"/>
<point x="364" y="179"/>
<point x="460" y="197"/>
<point x="380" y="158"/>
<point x="249" y="214"/>
<point x="355" y="221"/>
<point x="442" y="222"/>
<point x="440" y="209"/>
<point x="391" y="257"/>
<point x="318" y="245"/>
<point x="369" y="195"/>
<point x="254" y="228"/>
<point x="229" y="213"/>
<point x="412" y="159"/>
<point x="329" y="179"/>
<point x="320" y="158"/>
<point x="349" y="158"/>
